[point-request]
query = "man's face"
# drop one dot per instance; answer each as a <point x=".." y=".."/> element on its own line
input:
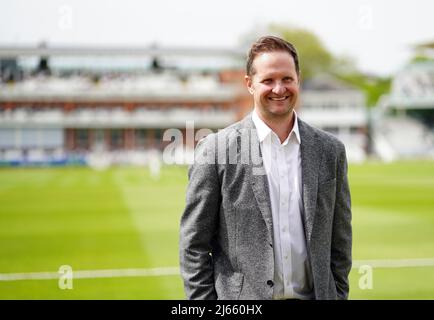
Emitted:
<point x="274" y="84"/>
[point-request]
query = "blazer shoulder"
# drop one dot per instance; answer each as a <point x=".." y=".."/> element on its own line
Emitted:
<point x="228" y="136"/>
<point x="231" y="133"/>
<point x="330" y="141"/>
<point x="234" y="128"/>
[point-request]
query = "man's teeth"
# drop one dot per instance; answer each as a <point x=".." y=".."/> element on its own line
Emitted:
<point x="278" y="99"/>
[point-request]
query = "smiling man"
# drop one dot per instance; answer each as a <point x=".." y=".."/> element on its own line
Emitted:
<point x="282" y="234"/>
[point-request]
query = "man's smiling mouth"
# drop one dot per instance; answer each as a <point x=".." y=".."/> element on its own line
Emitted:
<point x="278" y="98"/>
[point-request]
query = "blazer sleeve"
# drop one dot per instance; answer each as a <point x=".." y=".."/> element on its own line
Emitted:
<point x="341" y="260"/>
<point x="198" y="224"/>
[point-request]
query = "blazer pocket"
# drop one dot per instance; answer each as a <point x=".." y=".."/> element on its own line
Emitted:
<point x="229" y="285"/>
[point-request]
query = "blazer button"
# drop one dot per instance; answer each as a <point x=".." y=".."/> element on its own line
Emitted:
<point x="270" y="283"/>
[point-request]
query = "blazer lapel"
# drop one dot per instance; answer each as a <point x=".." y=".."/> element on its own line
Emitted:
<point x="311" y="152"/>
<point x="258" y="177"/>
<point x="259" y="184"/>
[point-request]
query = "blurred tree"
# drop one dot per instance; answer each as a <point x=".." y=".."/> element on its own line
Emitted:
<point x="420" y="58"/>
<point x="315" y="58"/>
<point x="423" y="52"/>
<point x="372" y="86"/>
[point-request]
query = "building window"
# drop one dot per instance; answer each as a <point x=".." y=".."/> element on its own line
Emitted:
<point x="140" y="138"/>
<point x="116" y="139"/>
<point x="82" y="139"/>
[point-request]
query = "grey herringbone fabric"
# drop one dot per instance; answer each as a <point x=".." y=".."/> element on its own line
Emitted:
<point x="226" y="228"/>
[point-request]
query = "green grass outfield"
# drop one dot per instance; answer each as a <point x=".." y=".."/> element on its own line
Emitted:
<point x="122" y="219"/>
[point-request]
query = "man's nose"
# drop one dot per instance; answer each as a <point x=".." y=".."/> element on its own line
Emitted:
<point x="279" y="88"/>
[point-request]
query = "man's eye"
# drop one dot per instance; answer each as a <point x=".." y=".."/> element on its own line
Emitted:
<point x="266" y="81"/>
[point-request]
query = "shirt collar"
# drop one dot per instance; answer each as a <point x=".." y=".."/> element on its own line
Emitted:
<point x="264" y="130"/>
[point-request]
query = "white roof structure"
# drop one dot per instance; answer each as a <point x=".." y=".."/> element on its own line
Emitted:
<point x="412" y="88"/>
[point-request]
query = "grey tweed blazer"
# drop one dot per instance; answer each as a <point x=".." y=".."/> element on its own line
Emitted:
<point x="226" y="233"/>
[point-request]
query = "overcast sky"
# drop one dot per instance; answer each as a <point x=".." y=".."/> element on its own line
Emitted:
<point x="378" y="34"/>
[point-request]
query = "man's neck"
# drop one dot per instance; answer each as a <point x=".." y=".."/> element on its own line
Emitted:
<point x="281" y="126"/>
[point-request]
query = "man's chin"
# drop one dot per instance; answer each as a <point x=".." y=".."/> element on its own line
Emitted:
<point x="281" y="112"/>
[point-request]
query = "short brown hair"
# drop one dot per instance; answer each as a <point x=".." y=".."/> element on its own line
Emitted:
<point x="270" y="44"/>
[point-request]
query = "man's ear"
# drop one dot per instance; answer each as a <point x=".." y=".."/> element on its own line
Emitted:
<point x="248" y="80"/>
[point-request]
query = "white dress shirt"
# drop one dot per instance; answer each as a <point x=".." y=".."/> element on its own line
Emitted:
<point x="282" y="163"/>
